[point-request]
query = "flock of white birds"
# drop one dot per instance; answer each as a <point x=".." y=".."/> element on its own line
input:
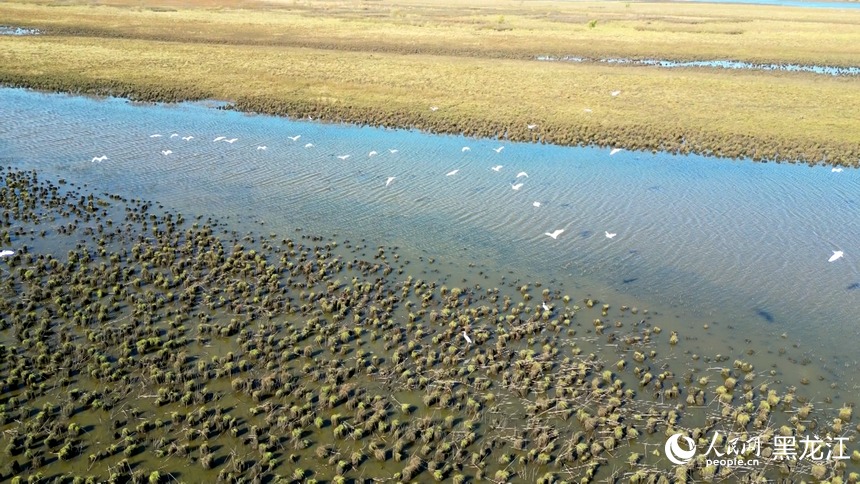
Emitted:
<point x="516" y="186"/>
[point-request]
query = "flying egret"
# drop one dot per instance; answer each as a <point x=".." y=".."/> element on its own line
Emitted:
<point x="499" y="149"/>
<point x="231" y="140"/>
<point x="99" y="158"/>
<point x="467" y="338"/>
<point x="174" y="135"/>
<point x="452" y="172"/>
<point x="372" y="153"/>
<point x="309" y="145"/>
<point x="295" y="138"/>
<point x="615" y="150"/>
<point x="187" y="138"/>
<point x="390" y="179"/>
<point x="343" y="157"/>
<point x="434" y="108"/>
<point x="465" y="149"/>
<point x="261" y="147"/>
<point x="516" y="186"/>
<point x="7" y="253"/>
<point x="837" y="254"/>
<point x="536" y="204"/>
<point x="392" y="151"/>
<point x="837" y="169"/>
<point x="496" y="168"/>
<point x="609" y="235"/>
<point x="531" y="126"/>
<point x="219" y="138"/>
<point x="166" y="152"/>
<point x="615" y="93"/>
<point x="155" y="136"/>
<point x="522" y="174"/>
<point x="554" y="234"/>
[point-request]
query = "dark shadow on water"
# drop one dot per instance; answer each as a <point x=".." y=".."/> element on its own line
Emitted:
<point x="763" y="314"/>
<point x="630" y="280"/>
<point x="853" y="287"/>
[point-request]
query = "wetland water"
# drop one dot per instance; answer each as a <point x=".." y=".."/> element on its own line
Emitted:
<point x="737" y="246"/>
<point x="716" y="64"/>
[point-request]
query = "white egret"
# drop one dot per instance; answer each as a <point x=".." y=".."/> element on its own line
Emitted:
<point x="536" y="204"/>
<point x="434" y="108"/>
<point x="615" y="150"/>
<point x="554" y="234"/>
<point x="343" y="157"/>
<point x="261" y="147"/>
<point x="544" y="306"/>
<point x="219" y="138"/>
<point x="586" y="110"/>
<point x="155" y="136"/>
<point x="497" y="168"/>
<point x="392" y="151"/>
<point x="516" y="186"/>
<point x="837" y="254"/>
<point x="187" y="138"/>
<point x="465" y="149"/>
<point x="390" y="179"/>
<point x="467" y="338"/>
<point x="174" y="135"/>
<point x="615" y="93"/>
<point x="609" y="235"/>
<point x="522" y="174"/>
<point x="372" y="153"/>
<point x="531" y="126"/>
<point x="452" y="172"/>
<point x="499" y="149"/>
<point x="837" y="169"/>
<point x="231" y="140"/>
<point x="7" y="253"/>
<point x="99" y="158"/>
<point x="295" y="138"/>
<point x="309" y="145"/>
<point x="166" y="152"/>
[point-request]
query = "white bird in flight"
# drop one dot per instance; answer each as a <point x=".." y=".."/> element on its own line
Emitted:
<point x="531" y="126"/>
<point x="166" y="152"/>
<point x="372" y="153"/>
<point x="219" y="138"/>
<point x="536" y="204"/>
<point x="187" y="138"/>
<point x="231" y="140"/>
<point x="554" y="234"/>
<point x="837" y="254"/>
<point x="309" y="145"/>
<point x="496" y="168"/>
<point x="615" y="93"/>
<point x="343" y="157"/>
<point x="7" y="253"/>
<point x="434" y="108"/>
<point x="99" y="158"/>
<point x="465" y="149"/>
<point x="261" y="147"/>
<point x="467" y="338"/>
<point x="522" y="174"/>
<point x="615" y="150"/>
<point x="174" y="135"/>
<point x="392" y="151"/>
<point x="452" y="172"/>
<point x="295" y="138"/>
<point x="155" y="136"/>
<point x="499" y="149"/>
<point x="837" y="169"/>
<point x="609" y="235"/>
<point x="516" y="186"/>
<point x="390" y="179"/>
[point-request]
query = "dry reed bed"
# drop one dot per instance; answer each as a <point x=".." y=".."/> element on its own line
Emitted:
<point x="764" y="116"/>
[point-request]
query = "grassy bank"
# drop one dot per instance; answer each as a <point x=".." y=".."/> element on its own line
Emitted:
<point x="386" y="63"/>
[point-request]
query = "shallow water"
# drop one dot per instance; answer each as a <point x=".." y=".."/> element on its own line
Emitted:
<point x="716" y="64"/>
<point x="740" y="245"/>
<point x="7" y="30"/>
<point x="788" y="3"/>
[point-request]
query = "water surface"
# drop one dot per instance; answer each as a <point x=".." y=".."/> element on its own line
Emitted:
<point x="742" y="246"/>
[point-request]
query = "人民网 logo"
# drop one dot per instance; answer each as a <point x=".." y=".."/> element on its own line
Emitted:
<point x="677" y="454"/>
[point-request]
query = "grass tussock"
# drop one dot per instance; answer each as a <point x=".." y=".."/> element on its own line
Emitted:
<point x="387" y="64"/>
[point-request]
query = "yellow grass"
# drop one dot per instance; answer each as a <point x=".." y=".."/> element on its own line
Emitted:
<point x="387" y="62"/>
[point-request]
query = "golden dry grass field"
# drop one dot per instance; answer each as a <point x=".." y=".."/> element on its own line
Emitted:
<point x="387" y="62"/>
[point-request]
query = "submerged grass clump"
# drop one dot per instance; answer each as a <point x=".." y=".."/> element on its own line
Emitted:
<point x="140" y="346"/>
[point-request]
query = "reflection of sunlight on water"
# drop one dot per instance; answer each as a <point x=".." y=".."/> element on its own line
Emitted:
<point x="6" y="30"/>
<point x="719" y="64"/>
<point x="698" y="239"/>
